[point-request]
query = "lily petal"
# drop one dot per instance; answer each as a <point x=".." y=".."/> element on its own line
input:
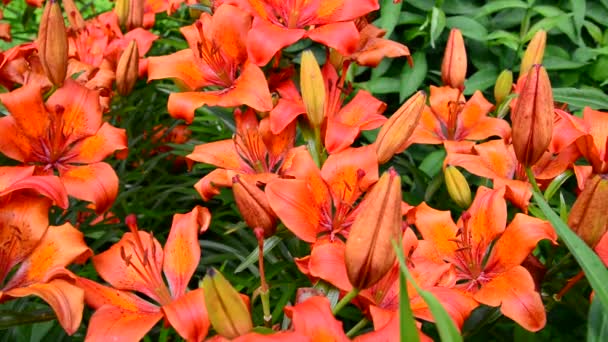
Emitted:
<point x="436" y="227"/>
<point x="14" y="143"/>
<point x="67" y="300"/>
<point x="27" y="108"/>
<point x="188" y="316"/>
<point x="96" y="148"/>
<point x="260" y="48"/>
<point x="514" y="292"/>
<point x="488" y="217"/>
<point x="80" y="110"/>
<point x="119" y="264"/>
<point x="342" y="36"/>
<point x="59" y="247"/>
<point x="327" y="262"/>
<point x="518" y="241"/>
<point x="180" y="65"/>
<point x="314" y="319"/>
<point x="182" y="249"/>
<point x="96" y="183"/>
<point x="249" y="89"/>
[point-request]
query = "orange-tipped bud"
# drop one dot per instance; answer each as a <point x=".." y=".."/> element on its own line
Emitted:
<point x="74" y="16"/>
<point x="534" y="53"/>
<point x="454" y="65"/>
<point x="254" y="206"/>
<point x="532" y="118"/>
<point x="127" y="70"/>
<point x="53" y="43"/>
<point x="369" y="252"/>
<point x="121" y="8"/>
<point x="228" y="312"/>
<point x="399" y="127"/>
<point x="589" y="215"/>
<point x="313" y="88"/>
<point x="136" y="14"/>
<point x="503" y="86"/>
<point x="458" y="188"/>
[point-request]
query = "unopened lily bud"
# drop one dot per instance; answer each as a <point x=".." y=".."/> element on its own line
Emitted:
<point x="135" y="18"/>
<point x="254" y="206"/>
<point x="369" y="252"/>
<point x="336" y="59"/>
<point x="127" y="70"/>
<point x="503" y="86"/>
<point x="589" y="215"/>
<point x="121" y="8"/>
<point x="458" y="188"/>
<point x="228" y="312"/>
<point x="74" y="16"/>
<point x="399" y="127"/>
<point x="53" y="43"/>
<point x="532" y="117"/>
<point x="313" y="88"/>
<point x="454" y="65"/>
<point x="534" y="52"/>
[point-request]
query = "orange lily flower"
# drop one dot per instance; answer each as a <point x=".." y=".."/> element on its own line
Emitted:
<point x="66" y="134"/>
<point x="137" y="263"/>
<point x="496" y="160"/>
<point x="372" y="47"/>
<point x="328" y="22"/>
<point x="591" y="138"/>
<point x="343" y="123"/>
<point x="216" y="58"/>
<point x="40" y="252"/>
<point x="450" y="118"/>
<point x="322" y="202"/>
<point x="253" y="152"/>
<point x="486" y="256"/>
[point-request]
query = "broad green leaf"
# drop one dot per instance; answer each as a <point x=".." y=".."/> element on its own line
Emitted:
<point x="437" y="24"/>
<point x="382" y="85"/>
<point x="412" y="78"/>
<point x="597" y="13"/>
<point x="579" y="8"/>
<point x="547" y="24"/>
<point x="594" y="269"/>
<point x="410" y="18"/>
<point x="432" y="164"/>
<point x="459" y="7"/>
<point x="481" y="80"/>
<point x="382" y="68"/>
<point x="505" y="38"/>
<point x="389" y="15"/>
<point x="566" y="26"/>
<point x="407" y="324"/>
<point x="424" y="5"/>
<point x="597" y="325"/>
<point x="594" y="31"/>
<point x="252" y="258"/>
<point x="580" y="98"/>
<point x="469" y="27"/>
<point x="496" y="6"/>
<point x="446" y="327"/>
<point x="551" y="62"/>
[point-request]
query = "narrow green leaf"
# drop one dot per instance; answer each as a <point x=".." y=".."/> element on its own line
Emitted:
<point x="594" y="269"/>
<point x="252" y="258"/>
<point x="9" y="319"/>
<point x="557" y="183"/>
<point x="389" y="15"/>
<point x="437" y="24"/>
<point x="547" y="24"/>
<point x="382" y="85"/>
<point x="579" y="98"/>
<point x="500" y="5"/>
<point x="597" y="326"/>
<point x="446" y="327"/>
<point x="407" y="324"/>
<point x="412" y="78"/>
<point x="432" y="164"/>
<point x="594" y="31"/>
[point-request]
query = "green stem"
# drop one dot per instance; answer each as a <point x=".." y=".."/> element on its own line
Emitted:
<point x="265" y="296"/>
<point x="532" y="179"/>
<point x="360" y="325"/>
<point x="345" y="300"/>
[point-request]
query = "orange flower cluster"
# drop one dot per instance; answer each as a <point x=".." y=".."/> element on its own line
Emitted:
<point x="294" y="159"/>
